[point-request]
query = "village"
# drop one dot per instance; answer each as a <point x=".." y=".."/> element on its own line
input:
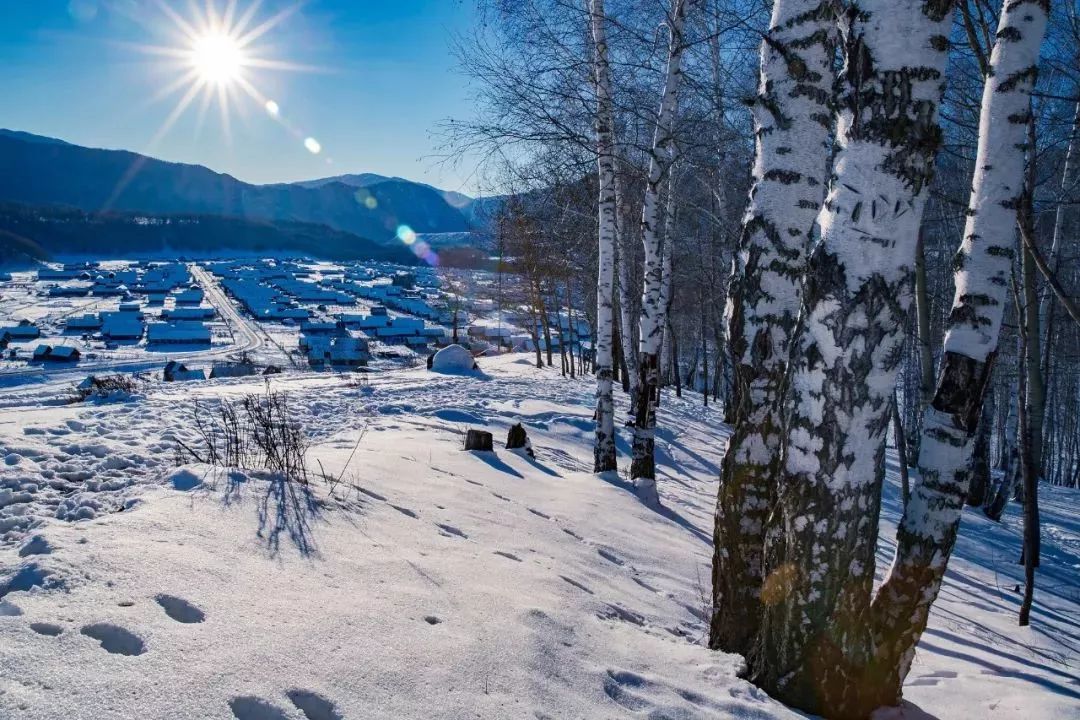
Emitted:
<point x="186" y="321"/>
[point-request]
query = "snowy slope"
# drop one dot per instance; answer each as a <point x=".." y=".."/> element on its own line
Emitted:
<point x="450" y="585"/>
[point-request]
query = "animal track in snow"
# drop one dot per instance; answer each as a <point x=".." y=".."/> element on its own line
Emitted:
<point x="404" y="511"/>
<point x="115" y="639"/>
<point x="544" y="515"/>
<point x="249" y="707"/>
<point x="180" y="609"/>
<point x="432" y="619"/>
<point x="314" y="706"/>
<point x="511" y="556"/>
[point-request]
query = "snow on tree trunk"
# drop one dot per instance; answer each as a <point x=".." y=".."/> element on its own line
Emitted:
<point x="793" y="121"/>
<point x="651" y="319"/>
<point x="821" y="538"/>
<point x="927" y="532"/>
<point x="604" y="448"/>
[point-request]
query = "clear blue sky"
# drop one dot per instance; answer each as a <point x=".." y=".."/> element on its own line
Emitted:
<point x="379" y="77"/>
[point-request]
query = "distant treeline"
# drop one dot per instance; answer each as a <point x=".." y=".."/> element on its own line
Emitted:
<point x="37" y="232"/>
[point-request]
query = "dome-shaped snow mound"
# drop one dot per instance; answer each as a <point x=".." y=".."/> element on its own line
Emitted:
<point x="453" y="359"/>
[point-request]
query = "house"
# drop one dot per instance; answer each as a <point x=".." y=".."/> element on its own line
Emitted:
<point x="131" y="307"/>
<point x="189" y="296"/>
<point x="177" y="333"/>
<point x="378" y="311"/>
<point x="232" y="369"/>
<point x="60" y="353"/>
<point x="70" y="290"/>
<point x="176" y="371"/>
<point x="83" y="324"/>
<point x="318" y="327"/>
<point x="348" y="351"/>
<point x="316" y="348"/>
<point x="25" y="330"/>
<point x="199" y="312"/>
<point x="121" y="326"/>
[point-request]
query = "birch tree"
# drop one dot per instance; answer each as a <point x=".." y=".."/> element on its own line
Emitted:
<point x="927" y="532"/>
<point x="820" y="545"/>
<point x="651" y="320"/>
<point x="604" y="449"/>
<point x="792" y="125"/>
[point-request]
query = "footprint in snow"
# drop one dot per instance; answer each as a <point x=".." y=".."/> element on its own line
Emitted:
<point x="180" y="609"/>
<point x="609" y="556"/>
<point x="432" y="619"/>
<point x="576" y="584"/>
<point x="510" y="556"/>
<point x="372" y="494"/>
<point x="404" y="511"/>
<point x="451" y="530"/>
<point x="544" y="515"/>
<point x="9" y="609"/>
<point x="314" y="706"/>
<point x="617" y="612"/>
<point x="249" y="707"/>
<point x="501" y="497"/>
<point x="115" y="639"/>
<point x="48" y="629"/>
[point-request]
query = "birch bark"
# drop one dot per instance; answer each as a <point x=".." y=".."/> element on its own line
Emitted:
<point x="793" y="123"/>
<point x="650" y="321"/>
<point x="604" y="448"/>
<point x="821" y="540"/>
<point x="927" y="532"/>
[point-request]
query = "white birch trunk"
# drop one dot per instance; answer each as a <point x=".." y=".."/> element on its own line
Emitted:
<point x="821" y="540"/>
<point x="927" y="532"/>
<point x="626" y="300"/>
<point x="650" y="321"/>
<point x="604" y="449"/>
<point x="793" y="123"/>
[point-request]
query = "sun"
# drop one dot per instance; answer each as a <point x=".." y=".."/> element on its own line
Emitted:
<point x="213" y="49"/>
<point x="217" y="58"/>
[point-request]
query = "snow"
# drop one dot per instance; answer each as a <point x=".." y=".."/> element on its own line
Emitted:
<point x="433" y="582"/>
<point x="453" y="359"/>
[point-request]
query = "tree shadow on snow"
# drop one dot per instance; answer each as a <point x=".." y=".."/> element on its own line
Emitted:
<point x="661" y="510"/>
<point x="495" y="463"/>
<point x="288" y="508"/>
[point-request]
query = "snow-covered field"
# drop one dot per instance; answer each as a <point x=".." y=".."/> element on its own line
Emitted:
<point x="446" y="584"/>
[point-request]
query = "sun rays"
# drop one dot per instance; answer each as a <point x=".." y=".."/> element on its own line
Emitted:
<point x="218" y="51"/>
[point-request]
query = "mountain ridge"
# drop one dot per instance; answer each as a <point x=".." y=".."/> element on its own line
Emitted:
<point x="36" y="170"/>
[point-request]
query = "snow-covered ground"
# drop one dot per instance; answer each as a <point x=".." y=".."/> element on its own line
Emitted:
<point x="445" y="584"/>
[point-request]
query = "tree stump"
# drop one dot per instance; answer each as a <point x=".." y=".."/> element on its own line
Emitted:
<point x="518" y="438"/>
<point x="479" y="440"/>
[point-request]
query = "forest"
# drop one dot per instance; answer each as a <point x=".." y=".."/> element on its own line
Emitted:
<point x="850" y="224"/>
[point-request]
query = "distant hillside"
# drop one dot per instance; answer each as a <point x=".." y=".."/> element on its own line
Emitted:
<point x="477" y="211"/>
<point x="18" y="249"/>
<point x="42" y="171"/>
<point x="72" y="231"/>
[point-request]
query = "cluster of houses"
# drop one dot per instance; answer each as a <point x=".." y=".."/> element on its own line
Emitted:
<point x="155" y="281"/>
<point x="128" y="324"/>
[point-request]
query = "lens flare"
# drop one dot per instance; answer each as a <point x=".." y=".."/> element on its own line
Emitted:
<point x="312" y="145"/>
<point x="406" y="234"/>
<point x="272" y="108"/>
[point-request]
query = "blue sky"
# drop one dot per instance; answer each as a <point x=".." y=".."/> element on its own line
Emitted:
<point x="377" y="78"/>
